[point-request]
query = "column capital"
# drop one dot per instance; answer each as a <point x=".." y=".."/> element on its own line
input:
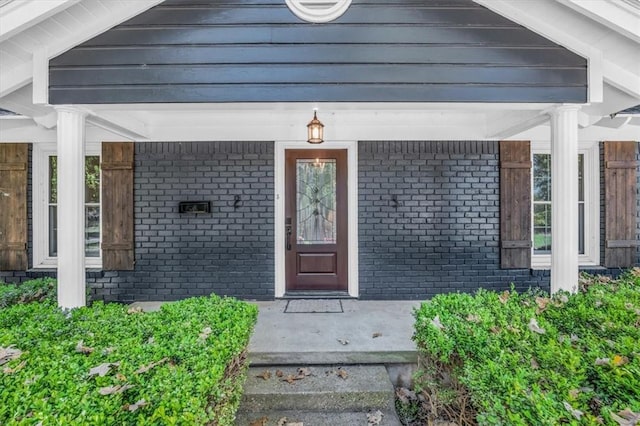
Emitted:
<point x="563" y="108"/>
<point x="71" y="109"/>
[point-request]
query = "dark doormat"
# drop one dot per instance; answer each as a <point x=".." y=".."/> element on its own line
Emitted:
<point x="314" y="306"/>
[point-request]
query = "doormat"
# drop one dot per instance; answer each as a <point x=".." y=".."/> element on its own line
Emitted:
<point x="314" y="306"/>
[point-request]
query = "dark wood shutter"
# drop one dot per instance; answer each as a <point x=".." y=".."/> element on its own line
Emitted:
<point x="620" y="183"/>
<point x="13" y="206"/>
<point x="515" y="204"/>
<point x="117" y="206"/>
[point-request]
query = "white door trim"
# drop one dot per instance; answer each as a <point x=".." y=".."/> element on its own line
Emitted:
<point x="352" y="206"/>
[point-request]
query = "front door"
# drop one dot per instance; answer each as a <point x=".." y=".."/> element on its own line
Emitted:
<point x="316" y="220"/>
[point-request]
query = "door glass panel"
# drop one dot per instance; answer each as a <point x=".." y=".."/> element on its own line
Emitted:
<point x="316" y="201"/>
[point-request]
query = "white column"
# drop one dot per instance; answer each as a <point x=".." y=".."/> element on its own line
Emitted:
<point x="71" y="269"/>
<point x="564" y="198"/>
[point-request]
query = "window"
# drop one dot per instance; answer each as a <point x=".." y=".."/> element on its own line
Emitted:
<point x="588" y="205"/>
<point x="45" y="207"/>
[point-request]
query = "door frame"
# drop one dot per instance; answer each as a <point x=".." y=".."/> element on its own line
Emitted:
<point x="352" y="209"/>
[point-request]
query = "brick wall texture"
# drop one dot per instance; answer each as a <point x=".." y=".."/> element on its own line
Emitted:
<point x="428" y="222"/>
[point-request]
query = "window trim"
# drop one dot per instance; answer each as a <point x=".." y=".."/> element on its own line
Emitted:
<point x="40" y="204"/>
<point x="591" y="256"/>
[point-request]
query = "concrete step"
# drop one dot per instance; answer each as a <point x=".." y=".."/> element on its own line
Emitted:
<point x="363" y="388"/>
<point x="348" y="356"/>
<point x="315" y="418"/>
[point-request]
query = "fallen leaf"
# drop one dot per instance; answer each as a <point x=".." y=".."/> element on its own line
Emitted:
<point x="374" y="418"/>
<point x="304" y="371"/>
<point x="573" y="393"/>
<point x="513" y="329"/>
<point x="405" y="395"/>
<point x="343" y="341"/>
<point x="602" y="361"/>
<point x="81" y="348"/>
<point x="262" y="421"/>
<point x="279" y="373"/>
<point x="495" y="329"/>
<point x="18" y="367"/>
<point x="265" y="375"/>
<point x="575" y="413"/>
<point x="376" y="335"/>
<point x="146" y="368"/>
<point x="533" y="326"/>
<point x="619" y="360"/>
<point x="542" y="303"/>
<point x="9" y="353"/>
<point x="626" y="417"/>
<point x="135" y="310"/>
<point x="134" y="407"/>
<point x="151" y="340"/>
<point x="504" y="297"/>
<point x="205" y="333"/>
<point x="436" y="323"/>
<point x="291" y="378"/>
<point x="282" y="421"/>
<point x="121" y="377"/>
<point x="111" y="390"/>
<point x="107" y="351"/>
<point x="473" y="318"/>
<point x="103" y="369"/>
<point x="342" y="374"/>
<point x="534" y="364"/>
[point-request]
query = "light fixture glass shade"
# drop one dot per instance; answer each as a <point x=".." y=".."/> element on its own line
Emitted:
<point x="315" y="130"/>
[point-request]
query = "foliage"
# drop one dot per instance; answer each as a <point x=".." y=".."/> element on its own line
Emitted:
<point x="108" y="365"/>
<point x="36" y="290"/>
<point x="530" y="359"/>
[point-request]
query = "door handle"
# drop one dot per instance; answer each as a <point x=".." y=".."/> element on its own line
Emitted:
<point x="289" y="232"/>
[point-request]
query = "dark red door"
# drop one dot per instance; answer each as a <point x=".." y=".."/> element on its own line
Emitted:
<point x="316" y="220"/>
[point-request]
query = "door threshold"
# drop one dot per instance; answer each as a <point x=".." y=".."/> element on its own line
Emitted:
<point x="317" y="295"/>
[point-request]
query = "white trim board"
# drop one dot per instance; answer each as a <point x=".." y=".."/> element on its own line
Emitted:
<point x="352" y="207"/>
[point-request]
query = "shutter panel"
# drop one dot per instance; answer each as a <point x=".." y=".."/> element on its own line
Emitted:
<point x="620" y="204"/>
<point x="117" y="206"/>
<point x="13" y="206"/>
<point x="515" y="204"/>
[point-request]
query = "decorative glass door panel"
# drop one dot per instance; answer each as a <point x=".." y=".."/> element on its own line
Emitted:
<point x="316" y="201"/>
<point x="316" y="220"/>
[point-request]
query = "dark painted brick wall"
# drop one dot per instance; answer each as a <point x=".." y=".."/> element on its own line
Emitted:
<point x="444" y="234"/>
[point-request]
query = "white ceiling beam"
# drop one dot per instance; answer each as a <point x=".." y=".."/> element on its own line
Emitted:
<point x="17" y="16"/>
<point x="506" y="125"/>
<point x="622" y="79"/>
<point x="123" y="125"/>
<point x="613" y="15"/>
<point x="15" y="79"/>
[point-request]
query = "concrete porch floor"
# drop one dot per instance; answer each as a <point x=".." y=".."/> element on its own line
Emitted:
<point x="311" y="338"/>
<point x="315" y="338"/>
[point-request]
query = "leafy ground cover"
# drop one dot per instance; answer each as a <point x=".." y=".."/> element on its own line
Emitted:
<point x="531" y="359"/>
<point x="30" y="291"/>
<point x="108" y="364"/>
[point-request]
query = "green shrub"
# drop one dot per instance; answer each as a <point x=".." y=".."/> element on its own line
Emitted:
<point x="35" y="290"/>
<point x="530" y="359"/>
<point x="194" y="351"/>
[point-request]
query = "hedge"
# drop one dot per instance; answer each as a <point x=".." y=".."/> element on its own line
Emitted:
<point x="528" y="359"/>
<point x="36" y="290"/>
<point x="111" y="365"/>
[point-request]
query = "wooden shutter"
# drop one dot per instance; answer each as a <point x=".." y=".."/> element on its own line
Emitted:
<point x="620" y="203"/>
<point x="515" y="204"/>
<point x="13" y="206"/>
<point x="117" y="206"/>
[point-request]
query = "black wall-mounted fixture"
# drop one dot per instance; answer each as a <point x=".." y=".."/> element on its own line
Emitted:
<point x="237" y="202"/>
<point x="197" y="207"/>
<point x="394" y="201"/>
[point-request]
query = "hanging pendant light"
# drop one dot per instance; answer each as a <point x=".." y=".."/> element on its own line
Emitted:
<point x="315" y="130"/>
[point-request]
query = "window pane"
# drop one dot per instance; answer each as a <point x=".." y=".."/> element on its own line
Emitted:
<point x="316" y="201"/>
<point x="92" y="231"/>
<point x="53" y="231"/>
<point x="581" y="228"/>
<point x="542" y="177"/>
<point x="92" y="179"/>
<point x="542" y="229"/>
<point x="581" y="177"/>
<point x="53" y="179"/>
